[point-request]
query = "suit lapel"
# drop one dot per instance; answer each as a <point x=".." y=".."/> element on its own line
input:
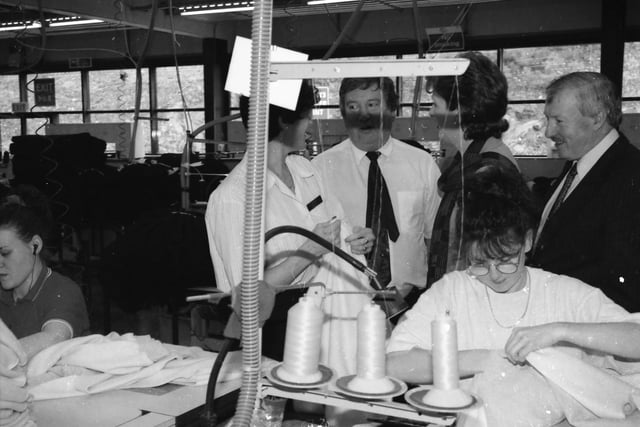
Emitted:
<point x="591" y="183"/>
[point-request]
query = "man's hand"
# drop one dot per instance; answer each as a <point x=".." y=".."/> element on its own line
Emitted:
<point x="361" y="241"/>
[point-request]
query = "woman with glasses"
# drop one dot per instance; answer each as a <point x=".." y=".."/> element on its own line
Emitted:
<point x="505" y="310"/>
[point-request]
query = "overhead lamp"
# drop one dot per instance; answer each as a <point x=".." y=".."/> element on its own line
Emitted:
<point x="51" y="22"/>
<point x="313" y="2"/>
<point x="226" y="7"/>
<point x="19" y="26"/>
<point x="69" y="21"/>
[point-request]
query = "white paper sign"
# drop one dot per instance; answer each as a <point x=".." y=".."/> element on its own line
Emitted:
<point x="283" y="93"/>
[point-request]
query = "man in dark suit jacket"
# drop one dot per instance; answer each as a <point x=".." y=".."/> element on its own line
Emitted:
<point x="591" y="229"/>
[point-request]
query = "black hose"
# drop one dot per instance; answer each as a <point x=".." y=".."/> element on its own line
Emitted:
<point x="319" y="240"/>
<point x="209" y="417"/>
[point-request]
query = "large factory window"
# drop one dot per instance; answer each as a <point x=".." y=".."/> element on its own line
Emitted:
<point x="631" y="78"/>
<point x="528" y="72"/>
<point x="172" y="130"/>
<point x="180" y="105"/>
<point x="116" y="90"/>
<point x="10" y="93"/>
<point x="144" y="131"/>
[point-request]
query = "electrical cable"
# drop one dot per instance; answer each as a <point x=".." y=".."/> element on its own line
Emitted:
<point x="174" y="42"/>
<point x="417" y="90"/>
<point x="87" y="49"/>
<point x="139" y="63"/>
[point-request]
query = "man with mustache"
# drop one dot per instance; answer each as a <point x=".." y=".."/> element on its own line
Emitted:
<point x="590" y="227"/>
<point x="408" y="181"/>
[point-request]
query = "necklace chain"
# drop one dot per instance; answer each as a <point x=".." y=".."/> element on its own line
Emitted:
<point x="526" y="307"/>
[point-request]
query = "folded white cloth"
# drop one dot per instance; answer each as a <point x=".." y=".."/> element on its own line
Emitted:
<point x="98" y="363"/>
<point x="589" y="395"/>
<point x="558" y="384"/>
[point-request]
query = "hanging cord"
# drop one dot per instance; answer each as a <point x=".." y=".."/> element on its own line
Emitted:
<point x="140" y="62"/>
<point x="174" y="43"/>
<point x="121" y="89"/>
<point x="417" y="91"/>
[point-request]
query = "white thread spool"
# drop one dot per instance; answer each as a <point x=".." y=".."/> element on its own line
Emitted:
<point x="444" y="338"/>
<point x="302" y="343"/>
<point x="371" y="359"/>
<point x="444" y="357"/>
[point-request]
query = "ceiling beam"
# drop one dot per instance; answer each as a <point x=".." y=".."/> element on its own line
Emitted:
<point x="106" y="11"/>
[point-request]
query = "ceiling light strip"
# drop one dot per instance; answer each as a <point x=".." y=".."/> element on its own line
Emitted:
<point x="66" y="23"/>
<point x="53" y="22"/>
<point x="314" y="2"/>
<point x="228" y="7"/>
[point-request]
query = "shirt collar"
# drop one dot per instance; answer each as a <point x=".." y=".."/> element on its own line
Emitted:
<point x="302" y="170"/>
<point x="7" y="296"/>
<point x="385" y="150"/>
<point x="587" y="161"/>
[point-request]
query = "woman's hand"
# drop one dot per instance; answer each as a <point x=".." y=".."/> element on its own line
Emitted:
<point x="361" y="241"/>
<point x="329" y="231"/>
<point x="12" y="397"/>
<point x="525" y="340"/>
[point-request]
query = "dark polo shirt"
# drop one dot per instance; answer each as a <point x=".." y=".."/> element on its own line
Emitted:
<point x="52" y="297"/>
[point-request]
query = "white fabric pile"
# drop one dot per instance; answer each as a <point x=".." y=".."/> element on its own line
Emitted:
<point x="98" y="363"/>
<point x="12" y="358"/>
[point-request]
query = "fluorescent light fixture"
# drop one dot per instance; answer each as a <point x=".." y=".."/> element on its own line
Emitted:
<point x="367" y="68"/>
<point x="65" y="22"/>
<point x="53" y="22"/>
<point x="312" y="2"/>
<point x="19" y="26"/>
<point x="227" y="7"/>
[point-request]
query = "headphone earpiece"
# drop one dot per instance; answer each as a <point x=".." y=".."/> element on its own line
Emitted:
<point x="35" y="249"/>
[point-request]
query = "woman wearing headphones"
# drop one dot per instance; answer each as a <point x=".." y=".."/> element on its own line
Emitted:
<point x="41" y="307"/>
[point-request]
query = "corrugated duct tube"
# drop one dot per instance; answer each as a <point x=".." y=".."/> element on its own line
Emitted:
<point x="254" y="196"/>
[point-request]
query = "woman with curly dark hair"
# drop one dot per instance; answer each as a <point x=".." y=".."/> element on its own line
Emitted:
<point x="470" y="112"/>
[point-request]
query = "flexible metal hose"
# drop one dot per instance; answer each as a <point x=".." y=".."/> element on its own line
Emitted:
<point x="254" y="201"/>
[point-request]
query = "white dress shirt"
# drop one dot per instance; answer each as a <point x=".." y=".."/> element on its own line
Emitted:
<point x="411" y="175"/>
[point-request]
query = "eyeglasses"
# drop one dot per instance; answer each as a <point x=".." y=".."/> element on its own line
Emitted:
<point x="502" y="267"/>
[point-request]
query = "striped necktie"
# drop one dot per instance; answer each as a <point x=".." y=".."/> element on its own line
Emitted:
<point x="569" y="177"/>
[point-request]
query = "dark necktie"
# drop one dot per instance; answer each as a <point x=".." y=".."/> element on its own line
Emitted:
<point x="380" y="219"/>
<point x="565" y="189"/>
